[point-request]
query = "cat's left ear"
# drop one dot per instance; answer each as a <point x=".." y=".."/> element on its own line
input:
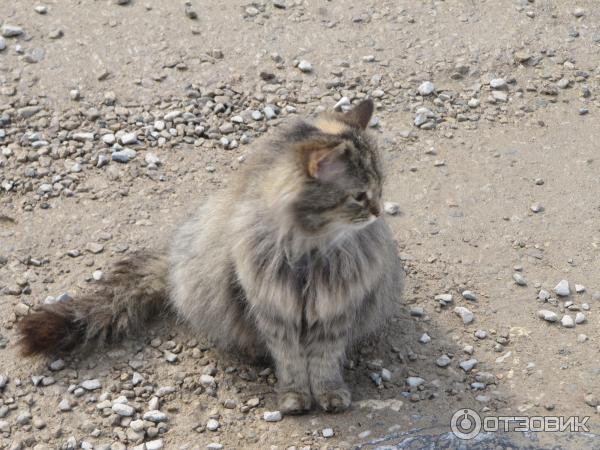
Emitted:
<point x="361" y="114"/>
<point x="328" y="164"/>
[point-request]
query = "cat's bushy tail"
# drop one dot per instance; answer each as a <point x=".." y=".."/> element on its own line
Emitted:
<point x="134" y="292"/>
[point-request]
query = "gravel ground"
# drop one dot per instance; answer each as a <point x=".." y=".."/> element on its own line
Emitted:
<point x="117" y="117"/>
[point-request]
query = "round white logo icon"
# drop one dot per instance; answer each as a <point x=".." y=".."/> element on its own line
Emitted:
<point x="465" y="424"/>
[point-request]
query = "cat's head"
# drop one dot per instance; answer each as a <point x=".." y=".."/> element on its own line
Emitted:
<point x="342" y="176"/>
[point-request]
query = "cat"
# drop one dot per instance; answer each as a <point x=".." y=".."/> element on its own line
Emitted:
<point x="293" y="261"/>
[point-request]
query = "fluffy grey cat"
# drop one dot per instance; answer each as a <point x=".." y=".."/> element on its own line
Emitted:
<point x="293" y="261"/>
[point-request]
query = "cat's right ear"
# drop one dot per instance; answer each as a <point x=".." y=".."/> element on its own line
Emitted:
<point x="327" y="164"/>
<point x="361" y="114"/>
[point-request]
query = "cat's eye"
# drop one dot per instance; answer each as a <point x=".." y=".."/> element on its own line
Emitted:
<point x="360" y="197"/>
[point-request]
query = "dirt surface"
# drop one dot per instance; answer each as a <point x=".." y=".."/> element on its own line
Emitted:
<point x="496" y="173"/>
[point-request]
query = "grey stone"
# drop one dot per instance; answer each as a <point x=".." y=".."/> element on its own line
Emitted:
<point x="469" y="295"/>
<point x="24" y="418"/>
<point x="443" y="361"/>
<point x="386" y="375"/>
<point x="415" y="381"/>
<point x="155" y="416"/>
<point x="498" y="83"/>
<point x="480" y="334"/>
<point x="444" y="299"/>
<point x="466" y="315"/>
<point x="426" y="88"/>
<point x="124" y="156"/>
<point x="272" y="416"/>
<point x="123" y="409"/>
<point x="129" y="139"/>
<point x="91" y="385"/>
<point x="468" y="364"/>
<point x="11" y="30"/>
<point x="543" y="295"/>
<point x="548" y="316"/>
<point x="519" y="279"/>
<point x="83" y="137"/>
<point x="64" y="405"/>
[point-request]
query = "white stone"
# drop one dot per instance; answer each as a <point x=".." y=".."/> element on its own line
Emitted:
<point x="415" y="381"/>
<point x="156" y="444"/>
<point x="344" y="101"/>
<point x="391" y="208"/>
<point x="466" y="315"/>
<point x="123" y="410"/>
<point x="562" y="288"/>
<point x="567" y="321"/>
<point x="426" y="88"/>
<point x="155" y="416"/>
<point x="272" y="416"/>
<point x="305" y="66"/>
<point x="498" y="83"/>
<point x="327" y="432"/>
<point x="129" y="139"/>
<point x="548" y="316"/>
<point x="91" y="385"/>
<point x="109" y="139"/>
<point x="212" y="425"/>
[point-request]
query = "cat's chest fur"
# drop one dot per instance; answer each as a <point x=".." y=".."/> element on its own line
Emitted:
<point x="319" y="285"/>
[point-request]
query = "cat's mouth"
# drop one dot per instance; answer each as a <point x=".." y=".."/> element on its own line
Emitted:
<point x="364" y="221"/>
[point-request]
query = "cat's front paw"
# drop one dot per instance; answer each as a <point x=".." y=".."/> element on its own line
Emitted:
<point x="294" y="402"/>
<point x="336" y="400"/>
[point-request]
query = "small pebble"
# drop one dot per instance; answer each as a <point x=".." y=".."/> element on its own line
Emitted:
<point x="480" y="334"/>
<point x="155" y="416"/>
<point x="426" y="88"/>
<point x="272" y="416"/>
<point x="519" y="279"/>
<point x="305" y="66"/>
<point x="212" y="425"/>
<point x="443" y="361"/>
<point x="466" y="315"/>
<point x="548" y="316"/>
<point x="469" y="295"/>
<point x="468" y="364"/>
<point x="156" y="444"/>
<point x="327" y="432"/>
<point x="415" y="381"/>
<point x="562" y="288"/>
<point x="91" y="385"/>
<point x="391" y="208"/>
<point x="567" y="321"/>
